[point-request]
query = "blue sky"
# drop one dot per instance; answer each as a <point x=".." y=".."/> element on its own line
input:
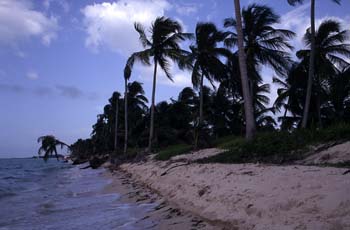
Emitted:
<point x="61" y="60"/>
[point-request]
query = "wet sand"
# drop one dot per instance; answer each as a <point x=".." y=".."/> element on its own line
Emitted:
<point x="164" y="215"/>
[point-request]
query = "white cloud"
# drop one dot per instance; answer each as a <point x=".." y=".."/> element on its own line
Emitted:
<point x="69" y="91"/>
<point x="31" y="75"/>
<point x="18" y="21"/>
<point x="297" y="20"/>
<point x="110" y="25"/>
<point x="187" y="9"/>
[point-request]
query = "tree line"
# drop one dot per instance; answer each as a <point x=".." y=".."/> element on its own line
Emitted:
<point x="313" y="90"/>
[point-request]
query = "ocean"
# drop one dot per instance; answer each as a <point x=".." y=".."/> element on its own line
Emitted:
<point x="57" y="195"/>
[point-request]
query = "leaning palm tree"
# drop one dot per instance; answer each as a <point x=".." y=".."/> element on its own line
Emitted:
<point x="49" y="145"/>
<point x="311" y="58"/>
<point x="163" y="45"/>
<point x="205" y="60"/>
<point x="248" y="103"/>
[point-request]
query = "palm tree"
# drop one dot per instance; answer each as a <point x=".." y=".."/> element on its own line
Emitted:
<point x="339" y="95"/>
<point x="162" y="46"/>
<point x="205" y="60"/>
<point x="248" y="103"/>
<point x="126" y="113"/>
<point x="116" y="96"/>
<point x="291" y="94"/>
<point x="329" y="52"/>
<point x="48" y="146"/>
<point x="137" y="107"/>
<point x="262" y="43"/>
<point x="311" y="58"/>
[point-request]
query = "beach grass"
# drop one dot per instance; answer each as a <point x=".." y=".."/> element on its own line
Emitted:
<point x="173" y="150"/>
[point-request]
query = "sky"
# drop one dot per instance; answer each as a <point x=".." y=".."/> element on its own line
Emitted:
<point x="60" y="60"/>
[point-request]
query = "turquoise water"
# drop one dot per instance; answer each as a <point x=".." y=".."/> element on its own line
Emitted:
<point x="56" y="195"/>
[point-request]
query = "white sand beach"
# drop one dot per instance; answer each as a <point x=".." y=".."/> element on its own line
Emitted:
<point x="251" y="196"/>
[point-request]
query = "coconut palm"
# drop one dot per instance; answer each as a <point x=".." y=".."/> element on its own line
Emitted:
<point x="49" y="145"/>
<point x="137" y="107"/>
<point x="262" y="43"/>
<point x="162" y="46"/>
<point x="329" y="51"/>
<point x="311" y="57"/>
<point x="248" y="103"/>
<point x="126" y="114"/>
<point x="135" y="100"/>
<point x="205" y="60"/>
<point x="339" y="95"/>
<point x="116" y="97"/>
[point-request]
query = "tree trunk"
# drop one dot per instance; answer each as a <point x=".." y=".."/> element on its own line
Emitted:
<point x="200" y="120"/>
<point x="319" y="110"/>
<point x="152" y="108"/>
<point x="201" y="102"/>
<point x="311" y="68"/>
<point x="248" y="102"/>
<point x="126" y="116"/>
<point x="116" y="125"/>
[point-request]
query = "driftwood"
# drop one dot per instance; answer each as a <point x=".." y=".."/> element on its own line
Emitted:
<point x="327" y="146"/>
<point x="175" y="166"/>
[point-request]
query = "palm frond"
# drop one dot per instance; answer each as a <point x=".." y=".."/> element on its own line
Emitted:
<point x="142" y="35"/>
<point x="142" y="56"/>
<point x="165" y="66"/>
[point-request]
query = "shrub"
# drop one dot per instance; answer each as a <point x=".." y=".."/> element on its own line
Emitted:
<point x="276" y="147"/>
<point x="173" y="150"/>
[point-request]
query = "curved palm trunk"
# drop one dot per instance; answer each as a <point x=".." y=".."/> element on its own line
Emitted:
<point x="116" y="125"/>
<point x="248" y="102"/>
<point x="311" y="68"/>
<point x="152" y="108"/>
<point x="56" y="155"/>
<point x="126" y="116"/>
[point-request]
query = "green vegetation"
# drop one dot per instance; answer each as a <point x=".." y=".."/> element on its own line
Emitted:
<point x="202" y="116"/>
<point x="173" y="150"/>
<point x="162" y="45"/>
<point x="277" y="147"/>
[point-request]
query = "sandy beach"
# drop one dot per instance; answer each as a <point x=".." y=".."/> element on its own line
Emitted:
<point x="164" y="215"/>
<point x="248" y="196"/>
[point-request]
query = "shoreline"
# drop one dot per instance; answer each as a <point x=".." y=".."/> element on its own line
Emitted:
<point x="251" y="196"/>
<point x="164" y="215"/>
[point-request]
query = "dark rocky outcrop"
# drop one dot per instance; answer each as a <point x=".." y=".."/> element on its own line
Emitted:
<point x="97" y="161"/>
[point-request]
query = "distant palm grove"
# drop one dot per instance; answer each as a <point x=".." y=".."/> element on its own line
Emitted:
<point x="313" y="84"/>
